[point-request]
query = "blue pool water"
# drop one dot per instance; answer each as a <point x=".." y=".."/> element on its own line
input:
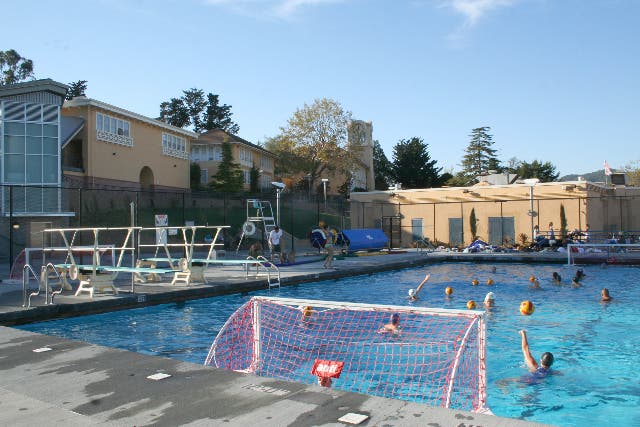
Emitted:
<point x="595" y="379"/>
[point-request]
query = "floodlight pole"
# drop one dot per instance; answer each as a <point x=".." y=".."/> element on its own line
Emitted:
<point x="278" y="191"/>
<point x="324" y="183"/>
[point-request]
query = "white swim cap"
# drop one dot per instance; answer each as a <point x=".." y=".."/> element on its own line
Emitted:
<point x="412" y="292"/>
<point x="490" y="296"/>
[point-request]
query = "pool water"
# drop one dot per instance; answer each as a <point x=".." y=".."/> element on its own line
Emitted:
<point x="595" y="379"/>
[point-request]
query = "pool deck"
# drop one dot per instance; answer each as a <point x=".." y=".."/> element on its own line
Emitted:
<point x="77" y="383"/>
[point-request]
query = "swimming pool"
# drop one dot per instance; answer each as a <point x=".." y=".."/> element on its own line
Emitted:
<point x="594" y="343"/>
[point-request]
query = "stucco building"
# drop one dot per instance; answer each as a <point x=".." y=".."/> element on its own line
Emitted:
<point x="206" y="151"/>
<point x="109" y="146"/>
<point x="502" y="212"/>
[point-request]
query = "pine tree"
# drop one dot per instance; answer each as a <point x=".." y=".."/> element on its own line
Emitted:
<point x="229" y="177"/>
<point x="382" y="167"/>
<point x="412" y="165"/>
<point x="480" y="157"/>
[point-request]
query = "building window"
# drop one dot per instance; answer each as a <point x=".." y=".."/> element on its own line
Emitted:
<point x="216" y="153"/>
<point x="114" y="130"/>
<point x="29" y="135"/>
<point x="204" y="176"/>
<point x="246" y="157"/>
<point x="416" y="229"/>
<point x="266" y="163"/>
<point x="174" y="146"/>
<point x="195" y="153"/>
<point x="247" y="177"/>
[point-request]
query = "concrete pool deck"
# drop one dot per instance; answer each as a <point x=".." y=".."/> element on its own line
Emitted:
<point x="77" y="383"/>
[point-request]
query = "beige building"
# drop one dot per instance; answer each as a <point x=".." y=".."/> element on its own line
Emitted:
<point x="109" y="146"/>
<point x="206" y="151"/>
<point x="502" y="212"/>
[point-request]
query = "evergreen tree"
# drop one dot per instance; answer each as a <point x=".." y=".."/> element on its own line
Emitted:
<point x="412" y="165"/>
<point x="545" y="172"/>
<point x="194" y="176"/>
<point x="14" y="68"/>
<point x="76" y="89"/>
<point x="480" y="157"/>
<point x="254" y="179"/>
<point x="192" y="108"/>
<point x="229" y="177"/>
<point x="382" y="167"/>
<point x="473" y="224"/>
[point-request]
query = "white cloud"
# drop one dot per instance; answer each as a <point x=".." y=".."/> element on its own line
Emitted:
<point x="473" y="10"/>
<point x="274" y="8"/>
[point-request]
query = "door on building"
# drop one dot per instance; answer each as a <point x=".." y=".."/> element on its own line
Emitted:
<point x="455" y="231"/>
<point x="501" y="230"/>
<point x="391" y="227"/>
<point x="416" y="229"/>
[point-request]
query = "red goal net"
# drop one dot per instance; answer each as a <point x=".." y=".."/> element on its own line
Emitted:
<point x="433" y="356"/>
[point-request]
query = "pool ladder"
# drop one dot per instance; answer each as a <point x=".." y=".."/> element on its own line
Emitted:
<point x="269" y="269"/>
<point x="43" y="281"/>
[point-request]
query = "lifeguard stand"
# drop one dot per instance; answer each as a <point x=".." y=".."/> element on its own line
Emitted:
<point x="258" y="211"/>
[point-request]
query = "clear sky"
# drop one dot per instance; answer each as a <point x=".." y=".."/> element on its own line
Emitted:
<point x="556" y="80"/>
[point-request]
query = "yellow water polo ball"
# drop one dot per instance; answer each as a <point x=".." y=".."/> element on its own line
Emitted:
<point x="490" y="282"/>
<point x="532" y="278"/>
<point x="527" y="308"/>
<point x="307" y="311"/>
<point x="448" y="290"/>
<point x="471" y="304"/>
<point x="475" y="282"/>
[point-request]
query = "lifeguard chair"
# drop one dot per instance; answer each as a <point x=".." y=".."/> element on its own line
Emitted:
<point x="258" y="212"/>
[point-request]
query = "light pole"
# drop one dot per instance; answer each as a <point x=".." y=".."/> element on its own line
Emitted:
<point x="308" y="176"/>
<point x="324" y="184"/>
<point x="279" y="186"/>
<point x="531" y="183"/>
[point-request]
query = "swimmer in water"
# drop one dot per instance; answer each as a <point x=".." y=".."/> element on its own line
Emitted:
<point x="413" y="293"/>
<point x="393" y="326"/>
<point x="575" y="282"/>
<point x="604" y="294"/>
<point x="541" y="369"/>
<point x="556" y="277"/>
<point x="489" y="300"/>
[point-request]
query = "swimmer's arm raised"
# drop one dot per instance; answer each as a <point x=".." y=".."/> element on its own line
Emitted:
<point x="422" y="283"/>
<point x="529" y="360"/>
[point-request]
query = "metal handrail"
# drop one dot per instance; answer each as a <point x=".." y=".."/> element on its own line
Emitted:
<point x="25" y="280"/>
<point x="45" y="274"/>
<point x="268" y="266"/>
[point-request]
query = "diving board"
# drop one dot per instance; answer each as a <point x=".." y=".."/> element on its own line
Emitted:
<point x="94" y="276"/>
<point x="185" y="270"/>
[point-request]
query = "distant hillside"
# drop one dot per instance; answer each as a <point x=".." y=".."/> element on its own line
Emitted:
<point x="597" y="176"/>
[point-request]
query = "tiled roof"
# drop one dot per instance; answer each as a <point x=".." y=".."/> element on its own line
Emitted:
<point x="219" y="136"/>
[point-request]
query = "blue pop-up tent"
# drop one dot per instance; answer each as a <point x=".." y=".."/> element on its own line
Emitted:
<point x="365" y="239"/>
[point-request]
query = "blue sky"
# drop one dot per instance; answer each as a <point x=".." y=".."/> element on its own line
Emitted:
<point x="556" y="80"/>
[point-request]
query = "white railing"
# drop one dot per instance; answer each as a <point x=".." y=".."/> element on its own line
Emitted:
<point x="175" y="153"/>
<point x="114" y="138"/>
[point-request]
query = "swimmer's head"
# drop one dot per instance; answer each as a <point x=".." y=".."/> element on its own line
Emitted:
<point x="556" y="275"/>
<point x="489" y="299"/>
<point x="395" y="318"/>
<point x="546" y="360"/>
<point x="412" y="292"/>
<point x="605" y="294"/>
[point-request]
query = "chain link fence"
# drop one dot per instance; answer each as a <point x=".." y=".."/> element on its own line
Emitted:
<point x="29" y="210"/>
